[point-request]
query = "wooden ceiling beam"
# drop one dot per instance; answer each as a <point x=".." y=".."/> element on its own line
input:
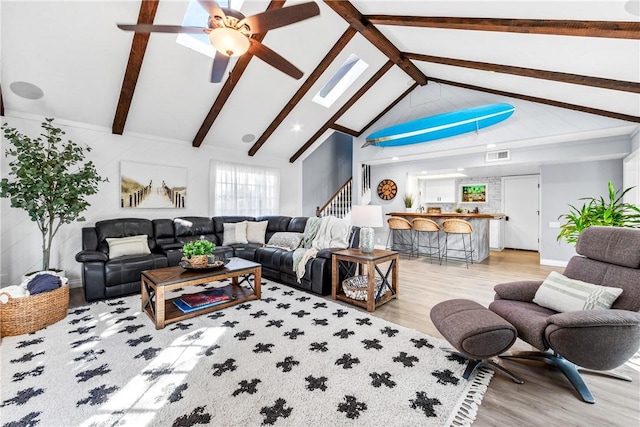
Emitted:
<point x="575" y="107"/>
<point x="377" y="76"/>
<point x="146" y="15"/>
<point x="607" y="29"/>
<point x="577" y="79"/>
<point x="344" y="39"/>
<point x="350" y="14"/>
<point x="343" y="129"/>
<point x="229" y="85"/>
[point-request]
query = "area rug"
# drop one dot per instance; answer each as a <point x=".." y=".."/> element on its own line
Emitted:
<point x="289" y="359"/>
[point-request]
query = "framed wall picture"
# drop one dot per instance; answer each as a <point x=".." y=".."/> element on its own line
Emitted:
<point x="473" y="193"/>
<point x="144" y="185"/>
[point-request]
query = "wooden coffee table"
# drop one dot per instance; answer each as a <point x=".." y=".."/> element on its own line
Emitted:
<point x="156" y="283"/>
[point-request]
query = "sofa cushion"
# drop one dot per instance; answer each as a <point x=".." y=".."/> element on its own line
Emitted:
<point x="613" y="245"/>
<point x="286" y="240"/>
<point x="257" y="231"/>
<point x="561" y="293"/>
<point x="234" y="233"/>
<point x="123" y="227"/>
<point x="128" y="268"/>
<point x="134" y="245"/>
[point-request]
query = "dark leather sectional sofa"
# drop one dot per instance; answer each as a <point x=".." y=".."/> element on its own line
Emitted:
<point x="107" y="278"/>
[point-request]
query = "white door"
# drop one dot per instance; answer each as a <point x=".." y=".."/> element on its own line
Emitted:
<point x="520" y="197"/>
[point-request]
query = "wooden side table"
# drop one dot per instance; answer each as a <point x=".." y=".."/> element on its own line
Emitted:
<point x="389" y="289"/>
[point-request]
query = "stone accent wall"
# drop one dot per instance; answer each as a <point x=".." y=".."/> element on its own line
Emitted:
<point x="494" y="196"/>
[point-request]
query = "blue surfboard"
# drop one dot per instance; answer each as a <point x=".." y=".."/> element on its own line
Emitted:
<point x="440" y="126"/>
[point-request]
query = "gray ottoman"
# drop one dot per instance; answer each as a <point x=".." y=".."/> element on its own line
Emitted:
<point x="476" y="332"/>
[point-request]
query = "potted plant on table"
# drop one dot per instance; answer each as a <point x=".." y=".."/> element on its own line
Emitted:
<point x="197" y="252"/>
<point x="598" y="211"/>
<point x="49" y="179"/>
<point x="407" y="199"/>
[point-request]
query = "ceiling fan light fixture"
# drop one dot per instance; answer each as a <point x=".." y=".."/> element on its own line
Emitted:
<point x="229" y="41"/>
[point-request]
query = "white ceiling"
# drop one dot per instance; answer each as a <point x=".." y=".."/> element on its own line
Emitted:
<point x="75" y="53"/>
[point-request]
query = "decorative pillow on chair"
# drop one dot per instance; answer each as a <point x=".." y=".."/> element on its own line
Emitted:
<point x="134" y="245"/>
<point x="257" y="231"/>
<point x="234" y="232"/>
<point x="561" y="293"/>
<point x="286" y="240"/>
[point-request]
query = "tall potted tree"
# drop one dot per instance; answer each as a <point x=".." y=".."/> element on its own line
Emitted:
<point x="49" y="179"/>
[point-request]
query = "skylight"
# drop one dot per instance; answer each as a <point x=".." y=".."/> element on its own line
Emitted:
<point x="344" y="77"/>
<point x="196" y="16"/>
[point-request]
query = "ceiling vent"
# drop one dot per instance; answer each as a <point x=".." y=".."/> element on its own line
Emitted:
<point x="496" y="156"/>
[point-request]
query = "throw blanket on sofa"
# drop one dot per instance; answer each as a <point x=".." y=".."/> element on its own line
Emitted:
<point x="320" y="233"/>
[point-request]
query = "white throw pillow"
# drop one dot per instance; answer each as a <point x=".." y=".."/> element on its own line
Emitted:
<point x="286" y="240"/>
<point x="561" y="293"/>
<point x="234" y="233"/>
<point x="134" y="245"/>
<point x="257" y="231"/>
<point x="340" y="233"/>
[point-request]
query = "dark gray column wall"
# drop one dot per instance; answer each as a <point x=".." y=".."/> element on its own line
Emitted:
<point x="564" y="184"/>
<point x="325" y="170"/>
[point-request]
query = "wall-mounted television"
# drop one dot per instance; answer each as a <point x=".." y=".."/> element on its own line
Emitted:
<point x="473" y="193"/>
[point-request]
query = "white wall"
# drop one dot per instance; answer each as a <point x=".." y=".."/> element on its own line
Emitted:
<point x="20" y="241"/>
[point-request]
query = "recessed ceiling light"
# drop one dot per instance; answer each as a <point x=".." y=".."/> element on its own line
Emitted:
<point x="26" y="90"/>
<point x="296" y="127"/>
<point x="395" y="158"/>
<point x="248" y="137"/>
<point x="460" y="169"/>
<point x="491" y="145"/>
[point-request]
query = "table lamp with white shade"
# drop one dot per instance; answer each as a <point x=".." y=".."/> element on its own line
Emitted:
<point x="366" y="217"/>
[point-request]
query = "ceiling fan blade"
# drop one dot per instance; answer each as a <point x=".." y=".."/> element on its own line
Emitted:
<point x="272" y="58"/>
<point x="219" y="67"/>
<point x="151" y="28"/>
<point x="212" y="8"/>
<point x="265" y="21"/>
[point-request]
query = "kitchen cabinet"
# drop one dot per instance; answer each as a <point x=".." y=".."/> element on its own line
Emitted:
<point x="441" y="191"/>
<point x="496" y="234"/>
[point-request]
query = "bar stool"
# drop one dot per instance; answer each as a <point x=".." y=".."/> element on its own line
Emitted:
<point x="398" y="228"/>
<point x="462" y="228"/>
<point x="428" y="226"/>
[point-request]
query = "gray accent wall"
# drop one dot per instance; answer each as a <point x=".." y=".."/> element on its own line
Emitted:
<point x="325" y="170"/>
<point x="564" y="184"/>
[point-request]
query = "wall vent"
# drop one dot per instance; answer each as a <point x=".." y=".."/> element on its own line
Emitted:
<point x="495" y="156"/>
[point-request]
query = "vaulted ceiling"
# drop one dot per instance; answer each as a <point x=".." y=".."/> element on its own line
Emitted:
<point x="578" y="55"/>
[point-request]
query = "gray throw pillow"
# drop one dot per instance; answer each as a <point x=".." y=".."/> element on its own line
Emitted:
<point x="286" y="240"/>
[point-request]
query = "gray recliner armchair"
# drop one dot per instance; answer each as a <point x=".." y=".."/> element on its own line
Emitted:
<point x="597" y="340"/>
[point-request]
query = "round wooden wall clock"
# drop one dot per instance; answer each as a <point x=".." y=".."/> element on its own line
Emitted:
<point x="387" y="189"/>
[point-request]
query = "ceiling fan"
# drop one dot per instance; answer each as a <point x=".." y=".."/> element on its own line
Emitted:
<point x="230" y="33"/>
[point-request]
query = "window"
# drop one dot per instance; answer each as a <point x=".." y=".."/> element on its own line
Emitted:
<point x="339" y="82"/>
<point x="244" y="190"/>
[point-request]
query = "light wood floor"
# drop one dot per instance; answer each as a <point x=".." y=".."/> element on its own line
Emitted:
<point x="546" y="398"/>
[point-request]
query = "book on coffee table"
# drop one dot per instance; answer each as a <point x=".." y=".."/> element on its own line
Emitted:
<point x="200" y="300"/>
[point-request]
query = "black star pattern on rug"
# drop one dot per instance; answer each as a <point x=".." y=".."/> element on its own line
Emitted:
<point x="23" y="344"/>
<point x="82" y="330"/>
<point x="258" y="314"/>
<point x="294" y="333"/>
<point x="351" y="407"/>
<point x="372" y="344"/>
<point x="317" y="305"/>
<point x="89" y="355"/>
<point x="276" y="323"/>
<point x="287" y="364"/>
<point x="347" y="361"/>
<point x="36" y="372"/>
<point x="23" y="396"/>
<point x="406" y="360"/>
<point x="283" y="306"/>
<point x="340" y="313"/>
<point x="120" y="310"/>
<point x="300" y="313"/>
<point x="421" y="342"/>
<point x="288" y="293"/>
<point x="148" y="353"/>
<point x="221" y="368"/>
<point x="27" y="357"/>
<point x="133" y="342"/>
<point x="303" y="298"/>
<point x="29" y="420"/>
<point x="272" y="413"/>
<point x="457" y="358"/>
<point x="216" y="315"/>
<point x="179" y="326"/>
<point x="378" y="380"/>
<point x="364" y="321"/>
<point x="274" y="288"/>
<point x="319" y="346"/>
<point x="79" y="311"/>
<point x="389" y="331"/>
<point x="242" y="336"/>
<point x="230" y="323"/>
<point x="82" y="319"/>
<point x="97" y="396"/>
<point x="269" y="300"/>
<point x="425" y="404"/>
<point x="155" y="373"/>
<point x="78" y="343"/>
<point x="262" y="348"/>
<point x="176" y="394"/>
<point x="197" y="416"/>
<point x="314" y="383"/>
<point x="344" y="334"/>
<point x="244" y="306"/>
<point x="321" y="322"/>
<point x="123" y="319"/>
<point x="130" y="329"/>
<point x="445" y="377"/>
<point x="117" y="302"/>
<point x="209" y="350"/>
<point x="247" y="387"/>
<point x="194" y="336"/>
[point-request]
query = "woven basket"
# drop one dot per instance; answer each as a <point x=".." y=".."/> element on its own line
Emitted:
<point x="29" y="314"/>
<point x="199" y="261"/>
<point x="356" y="287"/>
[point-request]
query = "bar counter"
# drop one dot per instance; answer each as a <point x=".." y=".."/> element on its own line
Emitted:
<point x="479" y="236"/>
